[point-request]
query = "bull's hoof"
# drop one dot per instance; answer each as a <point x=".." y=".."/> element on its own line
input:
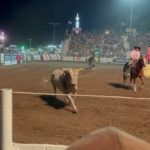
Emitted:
<point x="141" y="87"/>
<point x="68" y="103"/>
<point x="75" y="111"/>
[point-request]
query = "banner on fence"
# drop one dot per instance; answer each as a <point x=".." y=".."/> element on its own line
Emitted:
<point x="1" y="58"/>
<point x="37" y="57"/>
<point x="106" y="60"/>
<point x="10" y="58"/>
<point x="67" y="59"/>
<point x="79" y="59"/>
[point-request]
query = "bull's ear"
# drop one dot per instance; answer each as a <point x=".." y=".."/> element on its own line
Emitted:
<point x="66" y="71"/>
<point x="64" y="68"/>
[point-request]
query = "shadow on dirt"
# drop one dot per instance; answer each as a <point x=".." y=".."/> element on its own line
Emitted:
<point x="119" y="85"/>
<point x="53" y="101"/>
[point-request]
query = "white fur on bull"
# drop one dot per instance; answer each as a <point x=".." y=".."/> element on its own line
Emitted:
<point x="66" y="80"/>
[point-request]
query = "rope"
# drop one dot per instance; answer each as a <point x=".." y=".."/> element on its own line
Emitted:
<point x="80" y="95"/>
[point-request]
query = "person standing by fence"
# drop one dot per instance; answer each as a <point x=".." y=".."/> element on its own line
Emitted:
<point x="148" y="55"/>
<point x="19" y="58"/>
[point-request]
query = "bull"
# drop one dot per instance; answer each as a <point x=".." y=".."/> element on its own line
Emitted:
<point x="66" y="80"/>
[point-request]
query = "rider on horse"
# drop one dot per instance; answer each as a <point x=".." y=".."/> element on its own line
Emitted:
<point x="91" y="60"/>
<point x="135" y="56"/>
<point x="93" y="54"/>
<point x="135" y="68"/>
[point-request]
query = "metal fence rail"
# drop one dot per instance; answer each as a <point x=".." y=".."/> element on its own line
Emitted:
<point x="6" y="142"/>
<point x="83" y="95"/>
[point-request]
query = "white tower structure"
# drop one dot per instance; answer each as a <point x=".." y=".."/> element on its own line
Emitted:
<point x="77" y="28"/>
<point x="77" y="21"/>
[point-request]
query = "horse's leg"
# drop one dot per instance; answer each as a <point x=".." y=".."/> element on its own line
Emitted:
<point x="131" y="83"/>
<point x="142" y="82"/>
<point x="134" y="86"/>
<point x="93" y="66"/>
<point x="89" y="65"/>
<point x="124" y="80"/>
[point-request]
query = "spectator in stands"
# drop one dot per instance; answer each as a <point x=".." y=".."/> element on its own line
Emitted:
<point x="111" y="44"/>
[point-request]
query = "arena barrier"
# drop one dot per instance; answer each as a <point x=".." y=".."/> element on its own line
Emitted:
<point x="10" y="58"/>
<point x="81" y="95"/>
<point x="147" y="71"/>
<point x="6" y="142"/>
<point x="50" y="57"/>
<point x="106" y="60"/>
<point x="84" y="59"/>
<point x="6" y="136"/>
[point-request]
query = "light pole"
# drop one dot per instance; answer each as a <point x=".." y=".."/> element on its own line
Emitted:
<point x="54" y="26"/>
<point x="131" y="14"/>
<point x="30" y="42"/>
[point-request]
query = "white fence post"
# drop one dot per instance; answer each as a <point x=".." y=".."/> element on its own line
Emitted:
<point x="6" y="119"/>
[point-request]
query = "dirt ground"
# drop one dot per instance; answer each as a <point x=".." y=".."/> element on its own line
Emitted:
<point x="44" y="119"/>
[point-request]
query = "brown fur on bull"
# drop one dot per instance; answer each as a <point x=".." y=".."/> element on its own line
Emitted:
<point x="66" y="80"/>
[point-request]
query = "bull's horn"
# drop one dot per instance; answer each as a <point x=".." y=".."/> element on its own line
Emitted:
<point x="80" y="69"/>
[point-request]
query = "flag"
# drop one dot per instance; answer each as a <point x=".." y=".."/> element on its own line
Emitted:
<point x="123" y="24"/>
<point x="69" y="22"/>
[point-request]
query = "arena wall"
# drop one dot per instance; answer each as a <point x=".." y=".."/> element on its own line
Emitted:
<point x="38" y="147"/>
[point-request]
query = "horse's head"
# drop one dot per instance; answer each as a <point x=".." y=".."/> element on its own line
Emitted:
<point x="142" y="61"/>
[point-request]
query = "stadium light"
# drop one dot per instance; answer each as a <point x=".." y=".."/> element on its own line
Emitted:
<point x="131" y="14"/>
<point x="107" y="32"/>
<point x="2" y="37"/>
<point x="132" y="4"/>
<point x="30" y="42"/>
<point x="54" y="25"/>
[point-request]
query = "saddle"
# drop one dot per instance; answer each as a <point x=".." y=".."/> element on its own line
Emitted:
<point x="132" y="63"/>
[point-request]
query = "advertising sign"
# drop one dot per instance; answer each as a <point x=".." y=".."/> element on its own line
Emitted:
<point x="10" y="58"/>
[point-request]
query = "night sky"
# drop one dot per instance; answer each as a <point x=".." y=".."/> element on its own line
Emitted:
<point x="24" y="19"/>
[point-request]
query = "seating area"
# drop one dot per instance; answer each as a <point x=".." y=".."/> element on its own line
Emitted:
<point x="110" y="43"/>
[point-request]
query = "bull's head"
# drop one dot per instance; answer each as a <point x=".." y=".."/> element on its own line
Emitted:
<point x="72" y="78"/>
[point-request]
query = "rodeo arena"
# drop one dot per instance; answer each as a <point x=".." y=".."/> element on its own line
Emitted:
<point x="53" y="96"/>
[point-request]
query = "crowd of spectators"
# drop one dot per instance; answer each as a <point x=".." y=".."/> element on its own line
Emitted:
<point x="110" y="44"/>
<point x="142" y="40"/>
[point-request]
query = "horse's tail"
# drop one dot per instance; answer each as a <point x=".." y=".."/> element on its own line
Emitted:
<point x="126" y="67"/>
<point x="126" y="73"/>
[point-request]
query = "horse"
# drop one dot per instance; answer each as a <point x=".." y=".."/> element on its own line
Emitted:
<point x="136" y="71"/>
<point x="91" y="62"/>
